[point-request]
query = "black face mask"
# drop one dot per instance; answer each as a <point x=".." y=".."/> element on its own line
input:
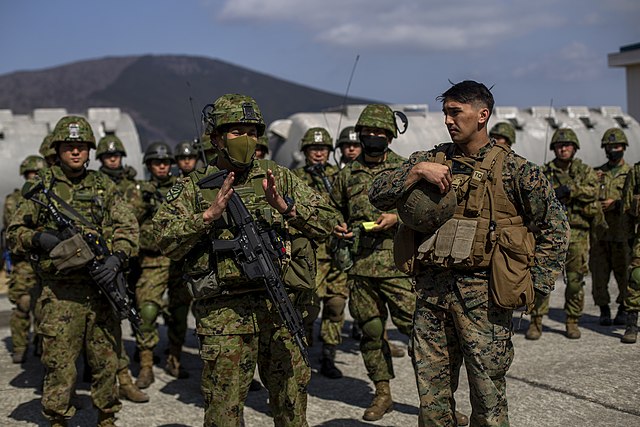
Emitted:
<point x="374" y="146"/>
<point x="614" y="156"/>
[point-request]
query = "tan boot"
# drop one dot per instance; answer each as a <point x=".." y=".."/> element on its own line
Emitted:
<point x="381" y="404"/>
<point x="462" y="419"/>
<point x="631" y="332"/>
<point x="535" y="328"/>
<point x="145" y="378"/>
<point x="573" y="332"/>
<point x="128" y="390"/>
<point x="19" y="355"/>
<point x="106" y="420"/>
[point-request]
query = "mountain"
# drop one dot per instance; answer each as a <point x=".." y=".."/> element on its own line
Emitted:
<point x="155" y="90"/>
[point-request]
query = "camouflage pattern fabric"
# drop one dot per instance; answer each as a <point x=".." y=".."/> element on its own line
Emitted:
<point x="128" y="187"/>
<point x="611" y="252"/>
<point x="632" y="191"/>
<point x="75" y="316"/>
<point x="23" y="286"/>
<point x="239" y="330"/>
<point x="455" y="318"/>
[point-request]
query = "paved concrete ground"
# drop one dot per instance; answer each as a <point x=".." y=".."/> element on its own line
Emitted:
<point x="594" y="381"/>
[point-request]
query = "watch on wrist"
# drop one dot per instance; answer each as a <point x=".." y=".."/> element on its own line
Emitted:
<point x="290" y="205"/>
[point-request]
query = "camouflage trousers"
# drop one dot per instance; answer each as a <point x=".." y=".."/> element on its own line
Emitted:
<point x="76" y="317"/>
<point x="230" y="360"/>
<point x="369" y="299"/>
<point x="177" y="309"/>
<point x="576" y="268"/>
<point x="604" y="258"/>
<point x="446" y="335"/>
<point x="333" y="289"/>
<point x="24" y="291"/>
<point x="153" y="282"/>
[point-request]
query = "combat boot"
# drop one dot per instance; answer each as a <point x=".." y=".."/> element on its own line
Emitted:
<point x="621" y="317"/>
<point x="396" y="351"/>
<point x="19" y="355"/>
<point x="356" y="332"/>
<point x="145" y="377"/>
<point x="573" y="332"/>
<point x="381" y="404"/>
<point x="535" y="328"/>
<point x="128" y="390"/>
<point x="174" y="368"/>
<point x="631" y="332"/>
<point x="106" y="420"/>
<point x="327" y="363"/>
<point x="462" y="419"/>
<point x="605" y="315"/>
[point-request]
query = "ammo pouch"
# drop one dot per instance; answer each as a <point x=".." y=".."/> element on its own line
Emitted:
<point x="342" y="258"/>
<point x="71" y="254"/>
<point x="300" y="271"/>
<point x="510" y="282"/>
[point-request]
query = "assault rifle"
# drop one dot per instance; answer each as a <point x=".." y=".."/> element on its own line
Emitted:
<point x="115" y="291"/>
<point x="255" y="250"/>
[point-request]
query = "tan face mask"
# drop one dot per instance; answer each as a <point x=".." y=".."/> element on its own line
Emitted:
<point x="240" y="151"/>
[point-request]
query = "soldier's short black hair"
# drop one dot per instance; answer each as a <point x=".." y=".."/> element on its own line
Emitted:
<point x="469" y="92"/>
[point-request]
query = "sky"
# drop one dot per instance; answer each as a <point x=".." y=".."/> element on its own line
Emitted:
<point x="532" y="53"/>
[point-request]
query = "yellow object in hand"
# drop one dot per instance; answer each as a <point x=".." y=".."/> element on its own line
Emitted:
<point x="368" y="226"/>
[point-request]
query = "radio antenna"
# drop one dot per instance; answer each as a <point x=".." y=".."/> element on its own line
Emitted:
<point x="344" y="102"/>
<point x="195" y="125"/>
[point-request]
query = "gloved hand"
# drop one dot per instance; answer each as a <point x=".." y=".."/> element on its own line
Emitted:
<point x="108" y="271"/>
<point x="45" y="240"/>
<point x="563" y="192"/>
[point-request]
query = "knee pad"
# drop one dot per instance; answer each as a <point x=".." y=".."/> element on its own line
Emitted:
<point x="334" y="308"/>
<point x="373" y="328"/>
<point x="24" y="303"/>
<point x="148" y="314"/>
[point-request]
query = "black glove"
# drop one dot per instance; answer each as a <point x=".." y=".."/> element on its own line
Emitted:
<point x="45" y="240"/>
<point x="108" y="271"/>
<point x="563" y="192"/>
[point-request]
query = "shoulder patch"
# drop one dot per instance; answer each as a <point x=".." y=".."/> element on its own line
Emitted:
<point x="175" y="191"/>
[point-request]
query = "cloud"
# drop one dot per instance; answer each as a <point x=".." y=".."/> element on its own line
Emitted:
<point x="571" y="63"/>
<point x="423" y="25"/>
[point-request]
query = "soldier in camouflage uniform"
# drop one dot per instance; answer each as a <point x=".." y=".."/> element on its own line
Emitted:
<point x="186" y="157"/>
<point x="262" y="147"/>
<point x="611" y="251"/>
<point x="456" y="318"/>
<point x="236" y="323"/>
<point x="75" y="315"/>
<point x="374" y="282"/>
<point x="349" y="144"/>
<point x="331" y="283"/>
<point x="110" y="152"/>
<point x="503" y="133"/>
<point x="157" y="275"/>
<point x="576" y="187"/>
<point x="24" y="288"/>
<point x="48" y="152"/>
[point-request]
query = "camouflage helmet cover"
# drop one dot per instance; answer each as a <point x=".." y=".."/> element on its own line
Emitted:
<point x="46" y="148"/>
<point x="316" y="136"/>
<point x="505" y="130"/>
<point x="110" y="144"/>
<point x="614" y="136"/>
<point x="424" y="209"/>
<point x="348" y="135"/>
<point x="565" y="135"/>
<point x="378" y="116"/>
<point x="185" y="149"/>
<point x="73" y="129"/>
<point x="32" y="164"/>
<point x="233" y="109"/>
<point x="158" y="151"/>
<point x="263" y="142"/>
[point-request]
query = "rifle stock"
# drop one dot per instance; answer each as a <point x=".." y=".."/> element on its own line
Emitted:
<point x="255" y="252"/>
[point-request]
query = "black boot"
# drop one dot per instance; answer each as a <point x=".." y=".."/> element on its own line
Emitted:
<point x="605" y="315"/>
<point x="356" y="332"/>
<point x="327" y="363"/>
<point x="631" y="332"/>
<point x="621" y="316"/>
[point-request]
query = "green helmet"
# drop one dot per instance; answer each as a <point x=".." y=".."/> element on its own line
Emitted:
<point x="46" y="149"/>
<point x="232" y="109"/>
<point x="316" y="136"/>
<point x="424" y="209"/>
<point x="185" y="149"/>
<point x="614" y="136"/>
<point x="32" y="164"/>
<point x="382" y="117"/>
<point x="263" y="142"/>
<point x="505" y="130"/>
<point x="110" y="144"/>
<point x="73" y="129"/>
<point x="158" y="151"/>
<point x="348" y="136"/>
<point x="564" y="135"/>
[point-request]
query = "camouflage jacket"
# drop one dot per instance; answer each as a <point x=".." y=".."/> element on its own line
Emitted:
<point x="153" y="194"/>
<point x="581" y="205"/>
<point x="611" y="186"/>
<point x="10" y="206"/>
<point x="527" y="189"/>
<point x="95" y="197"/>
<point x="128" y="187"/>
<point x="632" y="207"/>
<point x="374" y="250"/>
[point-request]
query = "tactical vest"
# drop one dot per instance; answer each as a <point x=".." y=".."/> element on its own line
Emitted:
<point x="153" y="194"/>
<point x="467" y="241"/>
<point x="297" y="267"/>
